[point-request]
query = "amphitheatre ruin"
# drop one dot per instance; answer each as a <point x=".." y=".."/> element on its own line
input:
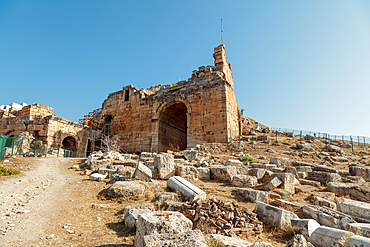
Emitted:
<point x="177" y="165"/>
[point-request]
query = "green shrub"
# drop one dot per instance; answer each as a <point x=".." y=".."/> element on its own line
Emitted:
<point x="246" y="159"/>
<point x="8" y="171"/>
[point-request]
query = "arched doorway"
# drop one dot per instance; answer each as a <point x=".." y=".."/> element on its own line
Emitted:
<point x="172" y="133"/>
<point x="89" y="148"/>
<point x="69" y="143"/>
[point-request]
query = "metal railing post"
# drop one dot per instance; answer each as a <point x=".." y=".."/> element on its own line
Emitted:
<point x="58" y="152"/>
<point x="13" y="144"/>
<point x="46" y="149"/>
<point x="34" y="150"/>
<point x="20" y="149"/>
<point x="276" y="136"/>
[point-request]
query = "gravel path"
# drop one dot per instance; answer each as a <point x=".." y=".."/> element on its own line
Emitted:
<point x="29" y="203"/>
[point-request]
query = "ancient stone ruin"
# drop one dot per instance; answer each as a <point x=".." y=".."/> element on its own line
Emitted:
<point x="175" y="116"/>
<point x="202" y="109"/>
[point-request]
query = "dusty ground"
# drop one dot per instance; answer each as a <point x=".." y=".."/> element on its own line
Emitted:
<point x="57" y="197"/>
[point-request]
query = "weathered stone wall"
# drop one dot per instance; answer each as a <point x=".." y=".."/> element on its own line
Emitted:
<point x="176" y="116"/>
<point x="40" y="121"/>
<point x="164" y="117"/>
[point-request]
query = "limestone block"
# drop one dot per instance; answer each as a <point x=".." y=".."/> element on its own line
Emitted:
<point x="304" y="188"/>
<point x="223" y="173"/>
<point x="309" y="182"/>
<point x="160" y="222"/>
<point x="269" y="167"/>
<point x="187" y="172"/>
<point x="332" y="148"/>
<point x="354" y="208"/>
<point x="299" y="240"/>
<point x="106" y="171"/>
<point x="360" y="171"/>
<point x="257" y="165"/>
<point x="302" y="175"/>
<point x="231" y="242"/>
<point x="167" y="196"/>
<point x="275" y="216"/>
<point x="304" y="226"/>
<point x="131" y="215"/>
<point x="232" y="162"/>
<point x="253" y="195"/>
<point x="124" y="157"/>
<point x="287" y="180"/>
<point x="204" y="173"/>
<point x="279" y="161"/>
<point x="291" y="170"/>
<point x="126" y="163"/>
<point x="267" y="176"/>
<point x="146" y="155"/>
<point x="125" y="188"/>
<point x="272" y="184"/>
<point x="143" y="172"/>
<point x="165" y="165"/>
<point x="330" y="196"/>
<point x="244" y="181"/>
<point x="96" y="164"/>
<point x="277" y="170"/>
<point x="356" y="179"/>
<point x="305" y="169"/>
<point x="357" y="241"/>
<point x="187" y="189"/>
<point x="193" y="238"/>
<point x="360" y="192"/>
<point x="35" y="127"/>
<point x="339" y="159"/>
<point x="126" y="171"/>
<point x="328" y="217"/>
<point x="256" y="172"/>
<point x="323" y="202"/>
<point x="191" y="154"/>
<point x="97" y="177"/>
<point x="111" y="155"/>
<point x="138" y="206"/>
<point x="242" y="170"/>
<point x="324" y="177"/>
<point x="362" y="229"/>
<point x="326" y="236"/>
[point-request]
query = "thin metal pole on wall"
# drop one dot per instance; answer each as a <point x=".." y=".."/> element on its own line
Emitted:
<point x="276" y="135"/>
<point x="20" y="149"/>
<point x="364" y="142"/>
<point x="13" y="144"/>
<point x="34" y="150"/>
<point x="46" y="149"/>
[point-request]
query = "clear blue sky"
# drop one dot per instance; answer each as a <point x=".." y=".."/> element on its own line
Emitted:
<point x="296" y="64"/>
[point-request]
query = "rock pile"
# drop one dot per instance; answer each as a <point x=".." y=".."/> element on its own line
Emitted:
<point x="222" y="217"/>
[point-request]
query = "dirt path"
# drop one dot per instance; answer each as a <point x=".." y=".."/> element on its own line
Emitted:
<point x="29" y="203"/>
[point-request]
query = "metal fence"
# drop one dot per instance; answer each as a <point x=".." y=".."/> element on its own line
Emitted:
<point x="18" y="145"/>
<point x="359" y="141"/>
<point x="2" y="145"/>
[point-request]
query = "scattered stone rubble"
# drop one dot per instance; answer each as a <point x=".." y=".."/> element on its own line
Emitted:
<point x="257" y="182"/>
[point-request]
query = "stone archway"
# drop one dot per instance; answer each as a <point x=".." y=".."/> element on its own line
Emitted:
<point x="172" y="129"/>
<point x="69" y="143"/>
